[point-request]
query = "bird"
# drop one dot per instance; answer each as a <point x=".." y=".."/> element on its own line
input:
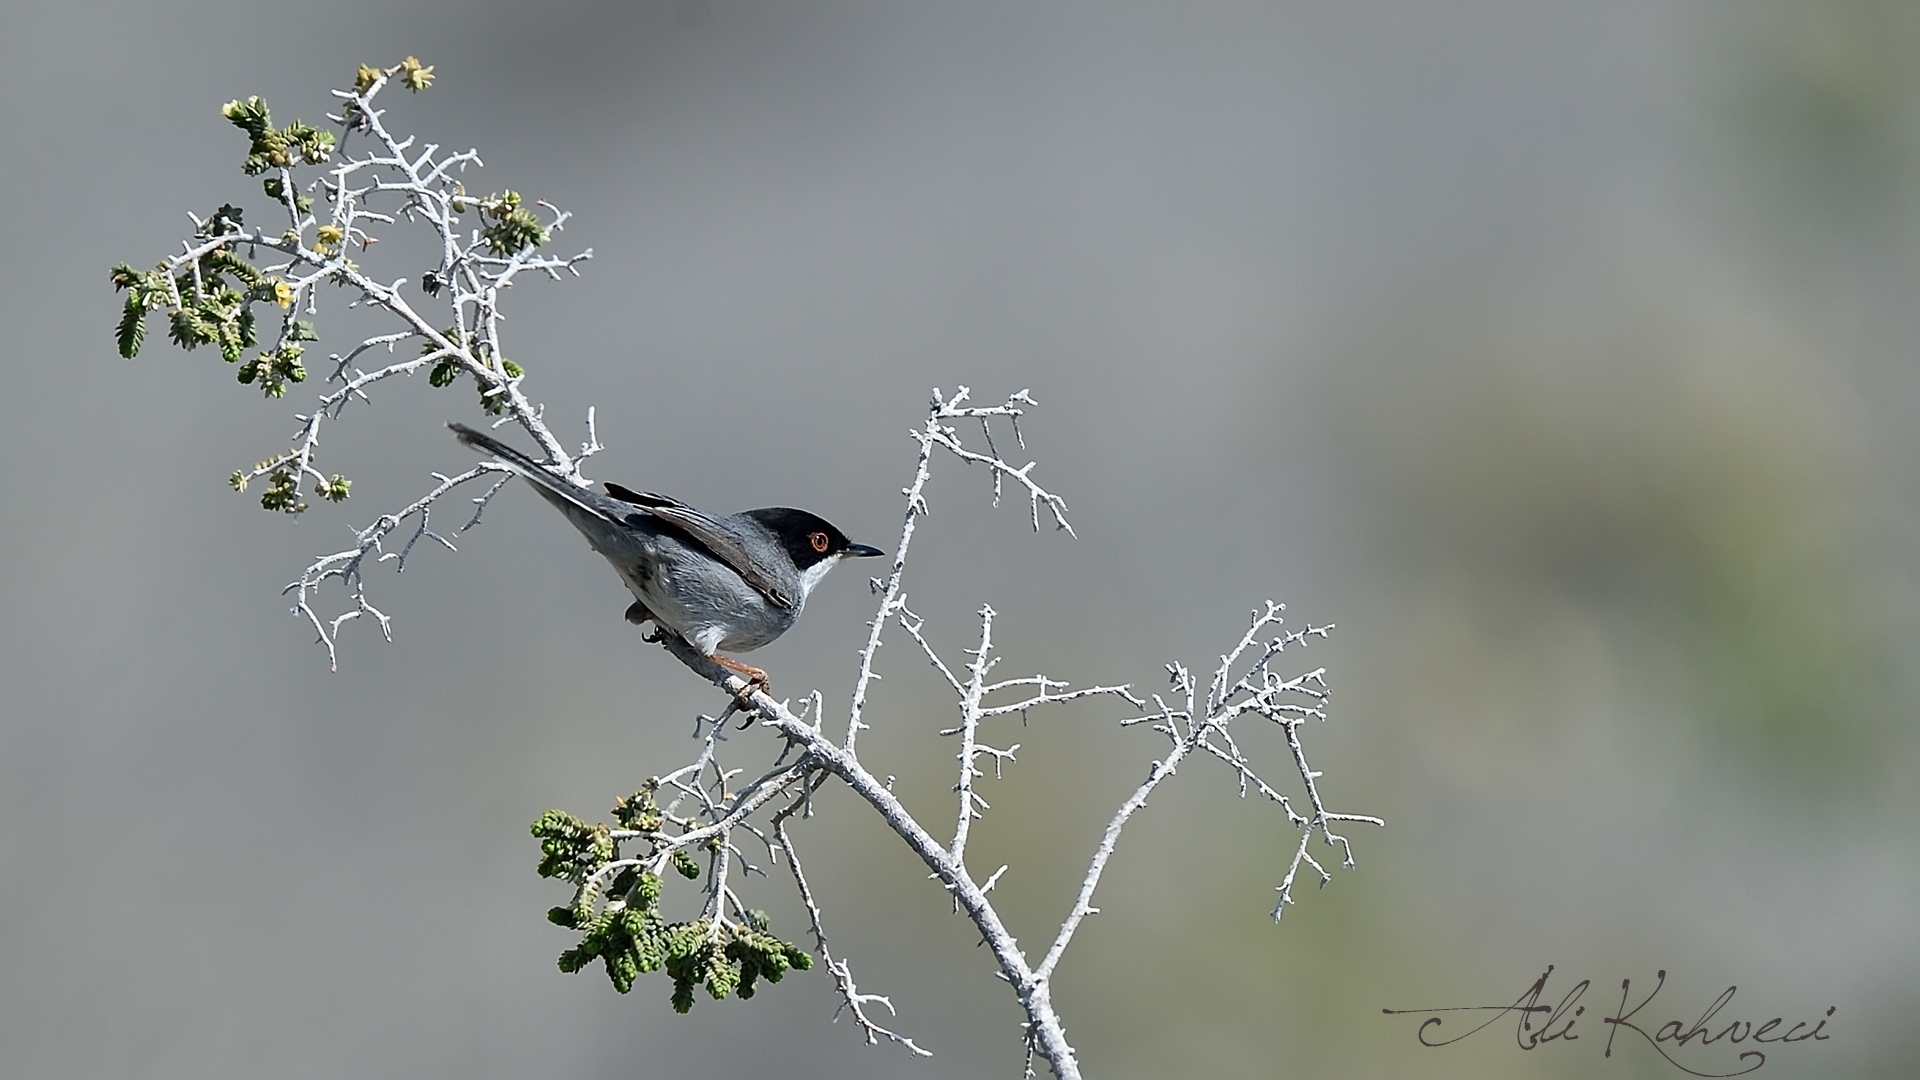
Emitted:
<point x="735" y="582"/>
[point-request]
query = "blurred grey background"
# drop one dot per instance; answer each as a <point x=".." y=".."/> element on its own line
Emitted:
<point x="1561" y="353"/>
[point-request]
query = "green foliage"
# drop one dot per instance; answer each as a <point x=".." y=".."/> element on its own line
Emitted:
<point x="447" y="368"/>
<point x="570" y="848"/>
<point x="209" y="298"/>
<point x="727" y="959"/>
<point x="495" y="403"/>
<point x="514" y="228"/>
<point x="224" y="261"/>
<point x="222" y="222"/>
<point x="276" y="148"/>
<point x="760" y="955"/>
<point x="132" y="331"/>
<point x="628" y="940"/>
<point x="273" y="369"/>
<point x="211" y="307"/>
<point x="638" y="811"/>
<point x="629" y="935"/>
<point x="276" y="189"/>
<point x="335" y="489"/>
<point x="282" y="493"/>
<point x="145" y="291"/>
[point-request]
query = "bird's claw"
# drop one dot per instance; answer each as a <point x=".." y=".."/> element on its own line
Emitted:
<point x="756" y="679"/>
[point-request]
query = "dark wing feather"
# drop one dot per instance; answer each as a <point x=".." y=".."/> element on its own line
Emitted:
<point x="720" y="542"/>
<point x="696" y="526"/>
<point x="724" y="546"/>
<point x="648" y="499"/>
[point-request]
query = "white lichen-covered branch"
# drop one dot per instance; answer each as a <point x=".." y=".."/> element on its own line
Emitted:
<point x="711" y="816"/>
<point x="1246" y="687"/>
<point x="460" y="251"/>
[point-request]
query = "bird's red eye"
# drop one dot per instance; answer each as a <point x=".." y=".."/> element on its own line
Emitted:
<point x="819" y="542"/>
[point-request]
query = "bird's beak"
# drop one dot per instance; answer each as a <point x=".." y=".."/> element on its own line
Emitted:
<point x="861" y="551"/>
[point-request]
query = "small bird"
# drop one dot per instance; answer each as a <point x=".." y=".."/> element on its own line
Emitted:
<point x="734" y="582"/>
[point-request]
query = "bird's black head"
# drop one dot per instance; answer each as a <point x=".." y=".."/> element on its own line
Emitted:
<point x="807" y="538"/>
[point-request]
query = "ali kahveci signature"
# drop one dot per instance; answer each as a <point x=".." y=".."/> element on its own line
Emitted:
<point x="1675" y="1034"/>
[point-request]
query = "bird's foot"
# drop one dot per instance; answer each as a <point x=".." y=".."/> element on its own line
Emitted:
<point x="638" y="615"/>
<point x="756" y="678"/>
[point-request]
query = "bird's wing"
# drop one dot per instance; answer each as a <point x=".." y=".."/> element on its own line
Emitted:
<point x="648" y="499"/>
<point x="725" y="546"/>
<point x="722" y="543"/>
<point x="704" y="531"/>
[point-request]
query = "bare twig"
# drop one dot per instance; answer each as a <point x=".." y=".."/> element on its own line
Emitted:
<point x="1244" y="683"/>
<point x="377" y="182"/>
<point x="391" y="183"/>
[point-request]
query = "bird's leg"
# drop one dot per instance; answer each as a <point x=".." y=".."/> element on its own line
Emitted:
<point x="756" y="678"/>
<point x="638" y="615"/>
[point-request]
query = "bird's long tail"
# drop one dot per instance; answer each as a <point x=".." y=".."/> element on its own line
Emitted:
<point x="557" y="491"/>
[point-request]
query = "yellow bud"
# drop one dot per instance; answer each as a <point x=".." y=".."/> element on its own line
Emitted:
<point x="416" y="75"/>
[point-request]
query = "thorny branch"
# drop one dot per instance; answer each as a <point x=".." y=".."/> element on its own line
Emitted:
<point x="1245" y="683"/>
<point x="376" y="182"/>
<point x="346" y="565"/>
<point x="708" y="808"/>
<point x="851" y="999"/>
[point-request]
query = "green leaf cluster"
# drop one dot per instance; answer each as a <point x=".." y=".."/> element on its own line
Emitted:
<point x="634" y="939"/>
<point x="630" y="936"/>
<point x="629" y="940"/>
<point x="447" y="368"/>
<point x="683" y="861"/>
<point x="638" y="811"/>
<point x="570" y="849"/>
<point x="145" y="291"/>
<point x="731" y="960"/>
<point x="209" y="300"/>
<point x="276" y="189"/>
<point x="274" y="368"/>
<point x="512" y="227"/>
<point x="211" y="307"/>
<point x="282" y="493"/>
<point x="222" y="222"/>
<point x="335" y="488"/>
<point x="276" y="148"/>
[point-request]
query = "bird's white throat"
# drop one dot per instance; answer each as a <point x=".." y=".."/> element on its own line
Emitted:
<point x="812" y="575"/>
